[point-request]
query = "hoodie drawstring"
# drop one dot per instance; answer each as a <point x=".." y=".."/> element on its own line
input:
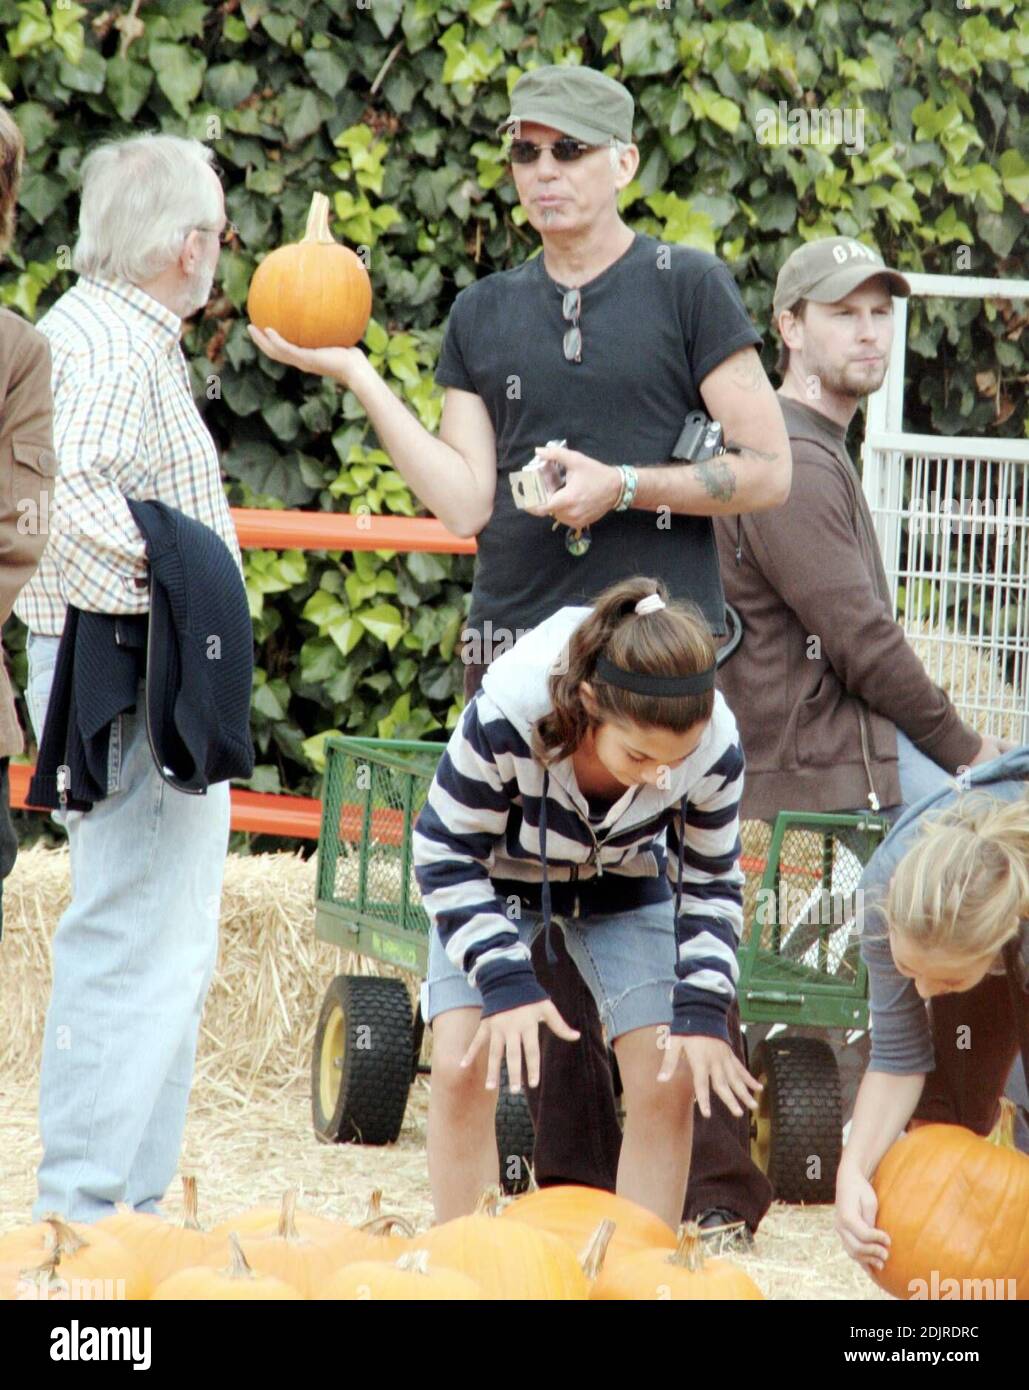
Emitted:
<point x="551" y="953"/>
<point x="678" y="883"/>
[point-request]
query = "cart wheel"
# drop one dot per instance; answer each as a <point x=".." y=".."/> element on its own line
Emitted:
<point x="417" y="1034"/>
<point x="515" y="1138"/>
<point x="361" y="1063"/>
<point x="797" y="1133"/>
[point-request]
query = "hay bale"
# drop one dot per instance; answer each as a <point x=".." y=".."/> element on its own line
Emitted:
<point x="971" y="676"/>
<point x="272" y="972"/>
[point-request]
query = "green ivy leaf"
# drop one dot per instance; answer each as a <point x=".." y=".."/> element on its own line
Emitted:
<point x="88" y="75"/>
<point x="328" y="71"/>
<point x="180" y="74"/>
<point x="384" y="622"/>
<point x="227" y="84"/>
<point x="128" y="86"/>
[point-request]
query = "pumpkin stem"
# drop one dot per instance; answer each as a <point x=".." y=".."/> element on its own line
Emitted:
<point x="1003" y="1132"/>
<point x="689" y="1253"/>
<point x="44" y="1275"/>
<point x="490" y="1202"/>
<point x="592" y="1258"/>
<point x="318" y="221"/>
<point x="288" y="1216"/>
<point x="414" y="1261"/>
<point x="238" y="1269"/>
<point x="66" y="1241"/>
<point x="386" y="1226"/>
<point x="374" y="1205"/>
<point x="190" y="1221"/>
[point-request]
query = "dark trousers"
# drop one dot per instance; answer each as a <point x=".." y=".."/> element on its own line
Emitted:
<point x="975" y="1038"/>
<point x="578" y="1136"/>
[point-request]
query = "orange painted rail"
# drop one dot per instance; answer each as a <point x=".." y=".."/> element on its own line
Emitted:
<point x="299" y="817"/>
<point x="272" y="530"/>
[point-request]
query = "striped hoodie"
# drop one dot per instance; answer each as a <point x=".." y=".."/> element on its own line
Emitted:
<point x="494" y="813"/>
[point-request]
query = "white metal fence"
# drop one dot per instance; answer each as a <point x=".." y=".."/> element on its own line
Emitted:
<point x="952" y="517"/>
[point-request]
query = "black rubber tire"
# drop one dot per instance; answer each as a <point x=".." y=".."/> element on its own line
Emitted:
<point x="516" y="1138"/>
<point x="371" y="1018"/>
<point x="802" y="1109"/>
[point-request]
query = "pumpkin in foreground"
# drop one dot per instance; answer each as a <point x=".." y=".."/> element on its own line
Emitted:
<point x="507" y="1259"/>
<point x="681" y="1275"/>
<point x="235" y="1282"/>
<point x="409" y="1279"/>
<point x="956" y="1209"/>
<point x="315" y="292"/>
<point x="59" y="1259"/>
<point x="574" y="1213"/>
<point x="162" y="1247"/>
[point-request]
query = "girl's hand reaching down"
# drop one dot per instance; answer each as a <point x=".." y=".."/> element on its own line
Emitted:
<point x="507" y="1034"/>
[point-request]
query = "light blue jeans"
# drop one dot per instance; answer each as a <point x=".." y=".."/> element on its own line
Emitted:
<point x="627" y="960"/>
<point x="133" y="957"/>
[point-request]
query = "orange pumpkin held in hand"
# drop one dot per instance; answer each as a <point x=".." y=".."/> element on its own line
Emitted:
<point x="956" y="1209"/>
<point x="315" y="292"/>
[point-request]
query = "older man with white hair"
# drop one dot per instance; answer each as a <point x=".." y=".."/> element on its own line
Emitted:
<point x="134" y="951"/>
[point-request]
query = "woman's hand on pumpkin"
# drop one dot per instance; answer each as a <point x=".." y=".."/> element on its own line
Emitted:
<point x="507" y="1034"/>
<point x="339" y="362"/>
<point x="714" y="1066"/>
<point x="856" y="1208"/>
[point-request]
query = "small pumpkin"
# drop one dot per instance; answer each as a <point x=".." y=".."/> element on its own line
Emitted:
<point x="83" y="1260"/>
<point x="236" y="1282"/>
<point x="680" y="1276"/>
<point x="265" y="1221"/>
<point x="408" y="1279"/>
<point x="162" y="1246"/>
<point x="315" y="292"/>
<point x="955" y="1207"/>
<point x="294" y="1258"/>
<point x="379" y="1237"/>
<point x="507" y="1259"/>
<point x="574" y="1213"/>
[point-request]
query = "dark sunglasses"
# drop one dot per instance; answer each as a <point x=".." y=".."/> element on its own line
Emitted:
<point x="564" y="150"/>
<point x="571" y="306"/>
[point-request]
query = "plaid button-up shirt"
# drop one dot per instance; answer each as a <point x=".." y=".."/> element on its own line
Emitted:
<point x="125" y="425"/>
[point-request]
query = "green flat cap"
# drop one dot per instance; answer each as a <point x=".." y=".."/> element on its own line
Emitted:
<point x="580" y="102"/>
<point x="828" y="269"/>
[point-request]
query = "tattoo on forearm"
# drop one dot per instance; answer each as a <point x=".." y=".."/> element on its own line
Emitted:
<point x="762" y="454"/>
<point x="718" y="478"/>
<point x="748" y="372"/>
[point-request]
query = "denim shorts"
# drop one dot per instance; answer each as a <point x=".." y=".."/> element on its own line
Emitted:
<point x="627" y="960"/>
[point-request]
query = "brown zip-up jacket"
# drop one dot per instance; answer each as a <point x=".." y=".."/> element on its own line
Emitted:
<point x="28" y="466"/>
<point x="824" y="675"/>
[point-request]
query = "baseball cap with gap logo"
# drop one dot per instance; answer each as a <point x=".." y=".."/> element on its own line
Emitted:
<point x="828" y="269"/>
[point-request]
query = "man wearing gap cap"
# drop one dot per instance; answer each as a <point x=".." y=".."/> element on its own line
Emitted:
<point x="852" y="722"/>
<point x="860" y="724"/>
<point x="607" y="339"/>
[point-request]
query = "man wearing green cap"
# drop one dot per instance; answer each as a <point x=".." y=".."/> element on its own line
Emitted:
<point x="606" y="340"/>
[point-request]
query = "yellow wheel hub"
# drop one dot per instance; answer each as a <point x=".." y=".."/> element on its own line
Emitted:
<point x="333" y="1056"/>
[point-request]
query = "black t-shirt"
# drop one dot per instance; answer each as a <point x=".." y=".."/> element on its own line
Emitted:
<point x="654" y="323"/>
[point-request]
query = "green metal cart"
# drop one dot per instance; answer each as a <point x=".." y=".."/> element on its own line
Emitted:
<point x="799" y="967"/>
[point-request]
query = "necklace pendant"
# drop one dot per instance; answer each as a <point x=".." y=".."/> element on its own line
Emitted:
<point x="578" y="542"/>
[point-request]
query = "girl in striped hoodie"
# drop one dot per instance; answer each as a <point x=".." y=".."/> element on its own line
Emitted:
<point x="599" y="731"/>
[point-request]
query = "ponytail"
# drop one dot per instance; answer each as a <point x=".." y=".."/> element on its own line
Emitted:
<point x="964" y="885"/>
<point x="674" y="641"/>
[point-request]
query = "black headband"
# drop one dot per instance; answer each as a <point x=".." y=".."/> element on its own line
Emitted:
<point x="644" y="684"/>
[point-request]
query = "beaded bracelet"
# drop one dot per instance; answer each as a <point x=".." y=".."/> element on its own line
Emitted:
<point x="630" y="481"/>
